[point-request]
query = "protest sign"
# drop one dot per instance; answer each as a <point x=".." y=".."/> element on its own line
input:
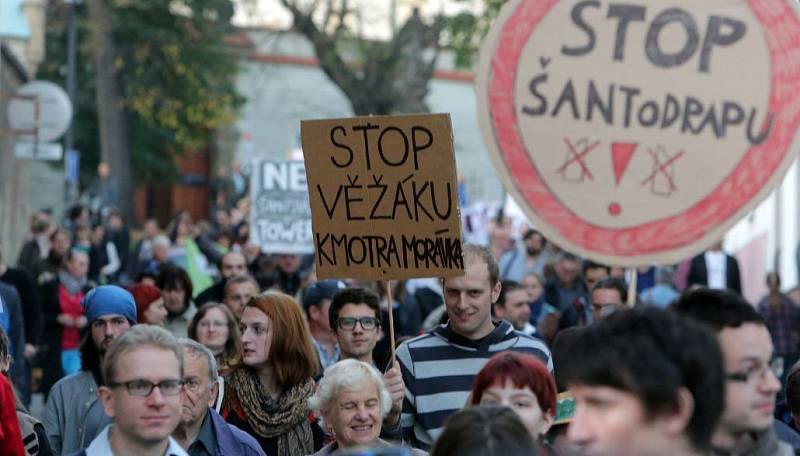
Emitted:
<point x="383" y="196"/>
<point x="280" y="215"/>
<point x="638" y="132"/>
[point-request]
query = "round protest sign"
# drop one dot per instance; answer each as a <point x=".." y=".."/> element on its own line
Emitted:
<point x="638" y="132"/>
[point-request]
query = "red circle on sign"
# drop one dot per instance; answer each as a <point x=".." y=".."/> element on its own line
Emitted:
<point x="781" y="30"/>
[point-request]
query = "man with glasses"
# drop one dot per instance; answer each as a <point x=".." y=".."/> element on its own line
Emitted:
<point x="752" y="372"/>
<point x="202" y="431"/>
<point x="142" y="395"/>
<point x="74" y="414"/>
<point x="354" y="315"/>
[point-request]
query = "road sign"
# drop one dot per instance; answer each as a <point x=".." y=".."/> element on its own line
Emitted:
<point x="42" y="151"/>
<point x="54" y="111"/>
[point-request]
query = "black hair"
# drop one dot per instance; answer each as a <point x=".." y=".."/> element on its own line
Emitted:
<point x="484" y="431"/>
<point x="717" y="308"/>
<point x="613" y="283"/>
<point x="653" y="354"/>
<point x="589" y="264"/>
<point x="507" y="286"/>
<point x="352" y="295"/>
<point x="171" y="277"/>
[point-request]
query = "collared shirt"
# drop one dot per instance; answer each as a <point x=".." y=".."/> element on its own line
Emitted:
<point x="101" y="446"/>
<point x="325" y="359"/>
<point x="206" y="442"/>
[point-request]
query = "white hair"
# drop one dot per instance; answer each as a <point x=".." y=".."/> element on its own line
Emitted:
<point x="348" y="374"/>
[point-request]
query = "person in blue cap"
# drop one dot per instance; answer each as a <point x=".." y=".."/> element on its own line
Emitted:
<point x="316" y="302"/>
<point x="74" y="415"/>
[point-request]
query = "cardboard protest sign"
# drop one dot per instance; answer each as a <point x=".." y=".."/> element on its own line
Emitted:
<point x="638" y="132"/>
<point x="280" y="218"/>
<point x="383" y="195"/>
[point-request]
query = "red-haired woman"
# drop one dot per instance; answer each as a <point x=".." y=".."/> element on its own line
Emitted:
<point x="267" y="394"/>
<point x="523" y="383"/>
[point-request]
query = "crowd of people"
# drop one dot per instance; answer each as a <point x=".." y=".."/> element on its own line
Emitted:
<point x="191" y="340"/>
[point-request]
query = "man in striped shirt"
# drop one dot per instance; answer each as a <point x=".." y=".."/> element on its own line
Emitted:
<point x="438" y="367"/>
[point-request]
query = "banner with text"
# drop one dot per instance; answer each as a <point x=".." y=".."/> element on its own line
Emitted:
<point x="383" y="194"/>
<point x="639" y="132"/>
<point x="280" y="220"/>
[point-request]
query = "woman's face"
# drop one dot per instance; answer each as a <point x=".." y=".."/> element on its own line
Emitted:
<point x="256" y="328"/>
<point x="533" y="287"/>
<point x="354" y="415"/>
<point x="156" y="313"/>
<point x="174" y="298"/>
<point x="523" y="401"/>
<point x="212" y="330"/>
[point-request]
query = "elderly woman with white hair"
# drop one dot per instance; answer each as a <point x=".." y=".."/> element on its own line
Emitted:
<point x="352" y="401"/>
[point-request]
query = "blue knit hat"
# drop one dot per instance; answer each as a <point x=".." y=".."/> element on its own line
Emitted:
<point x="107" y="300"/>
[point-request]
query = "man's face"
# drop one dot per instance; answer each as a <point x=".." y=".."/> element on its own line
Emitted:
<point x="107" y="328"/>
<point x="357" y="342"/>
<point x="534" y="244"/>
<point x="233" y="264"/>
<point x="78" y="265"/>
<point x="319" y="315"/>
<point x="613" y="422"/>
<point x="469" y="299"/>
<point x="516" y="309"/>
<point x="145" y="420"/>
<point x="198" y="396"/>
<point x="174" y="298"/>
<point x="237" y="296"/>
<point x="567" y="271"/>
<point x="604" y="302"/>
<point x="749" y="400"/>
<point x="594" y="275"/>
<point x="288" y="263"/>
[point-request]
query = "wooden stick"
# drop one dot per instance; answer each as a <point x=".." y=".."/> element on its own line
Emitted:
<point x="632" y="288"/>
<point x="388" y="285"/>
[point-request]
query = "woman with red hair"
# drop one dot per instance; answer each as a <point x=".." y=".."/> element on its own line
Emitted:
<point x="149" y="305"/>
<point x="522" y="383"/>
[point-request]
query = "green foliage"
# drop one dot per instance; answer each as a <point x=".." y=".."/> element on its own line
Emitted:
<point x="464" y="32"/>
<point x="176" y="74"/>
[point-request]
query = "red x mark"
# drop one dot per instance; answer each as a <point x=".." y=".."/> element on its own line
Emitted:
<point x="662" y="168"/>
<point x="578" y="157"/>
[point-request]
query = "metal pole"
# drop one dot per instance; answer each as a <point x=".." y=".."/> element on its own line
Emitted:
<point x="71" y="193"/>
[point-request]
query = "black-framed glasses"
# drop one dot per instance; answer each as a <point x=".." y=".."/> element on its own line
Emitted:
<point x="349" y="323"/>
<point x="775" y="366"/>
<point x="143" y="388"/>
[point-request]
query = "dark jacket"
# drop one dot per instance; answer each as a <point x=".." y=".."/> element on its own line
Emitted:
<point x="232" y="441"/>
<point x="51" y="336"/>
<point x="698" y="273"/>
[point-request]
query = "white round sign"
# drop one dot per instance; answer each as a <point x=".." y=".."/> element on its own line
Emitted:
<point x="54" y="106"/>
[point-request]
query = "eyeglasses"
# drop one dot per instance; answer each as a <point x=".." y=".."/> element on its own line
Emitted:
<point x="349" y="323"/>
<point x="775" y="366"/>
<point x="143" y="388"/>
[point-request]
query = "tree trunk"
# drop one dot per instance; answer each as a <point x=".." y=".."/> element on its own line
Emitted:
<point x="115" y="145"/>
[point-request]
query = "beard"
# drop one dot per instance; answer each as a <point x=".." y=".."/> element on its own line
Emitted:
<point x="533" y="251"/>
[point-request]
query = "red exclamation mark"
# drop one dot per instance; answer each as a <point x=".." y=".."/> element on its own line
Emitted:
<point x="621" y="154"/>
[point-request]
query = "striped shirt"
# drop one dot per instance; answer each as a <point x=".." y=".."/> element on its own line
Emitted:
<point x="438" y="370"/>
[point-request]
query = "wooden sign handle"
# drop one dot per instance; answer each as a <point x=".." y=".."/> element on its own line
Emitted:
<point x="390" y="302"/>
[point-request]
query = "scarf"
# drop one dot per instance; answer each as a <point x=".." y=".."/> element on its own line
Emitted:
<point x="285" y="417"/>
<point x="72" y="284"/>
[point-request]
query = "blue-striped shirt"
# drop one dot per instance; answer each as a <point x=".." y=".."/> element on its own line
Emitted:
<point x="439" y="368"/>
